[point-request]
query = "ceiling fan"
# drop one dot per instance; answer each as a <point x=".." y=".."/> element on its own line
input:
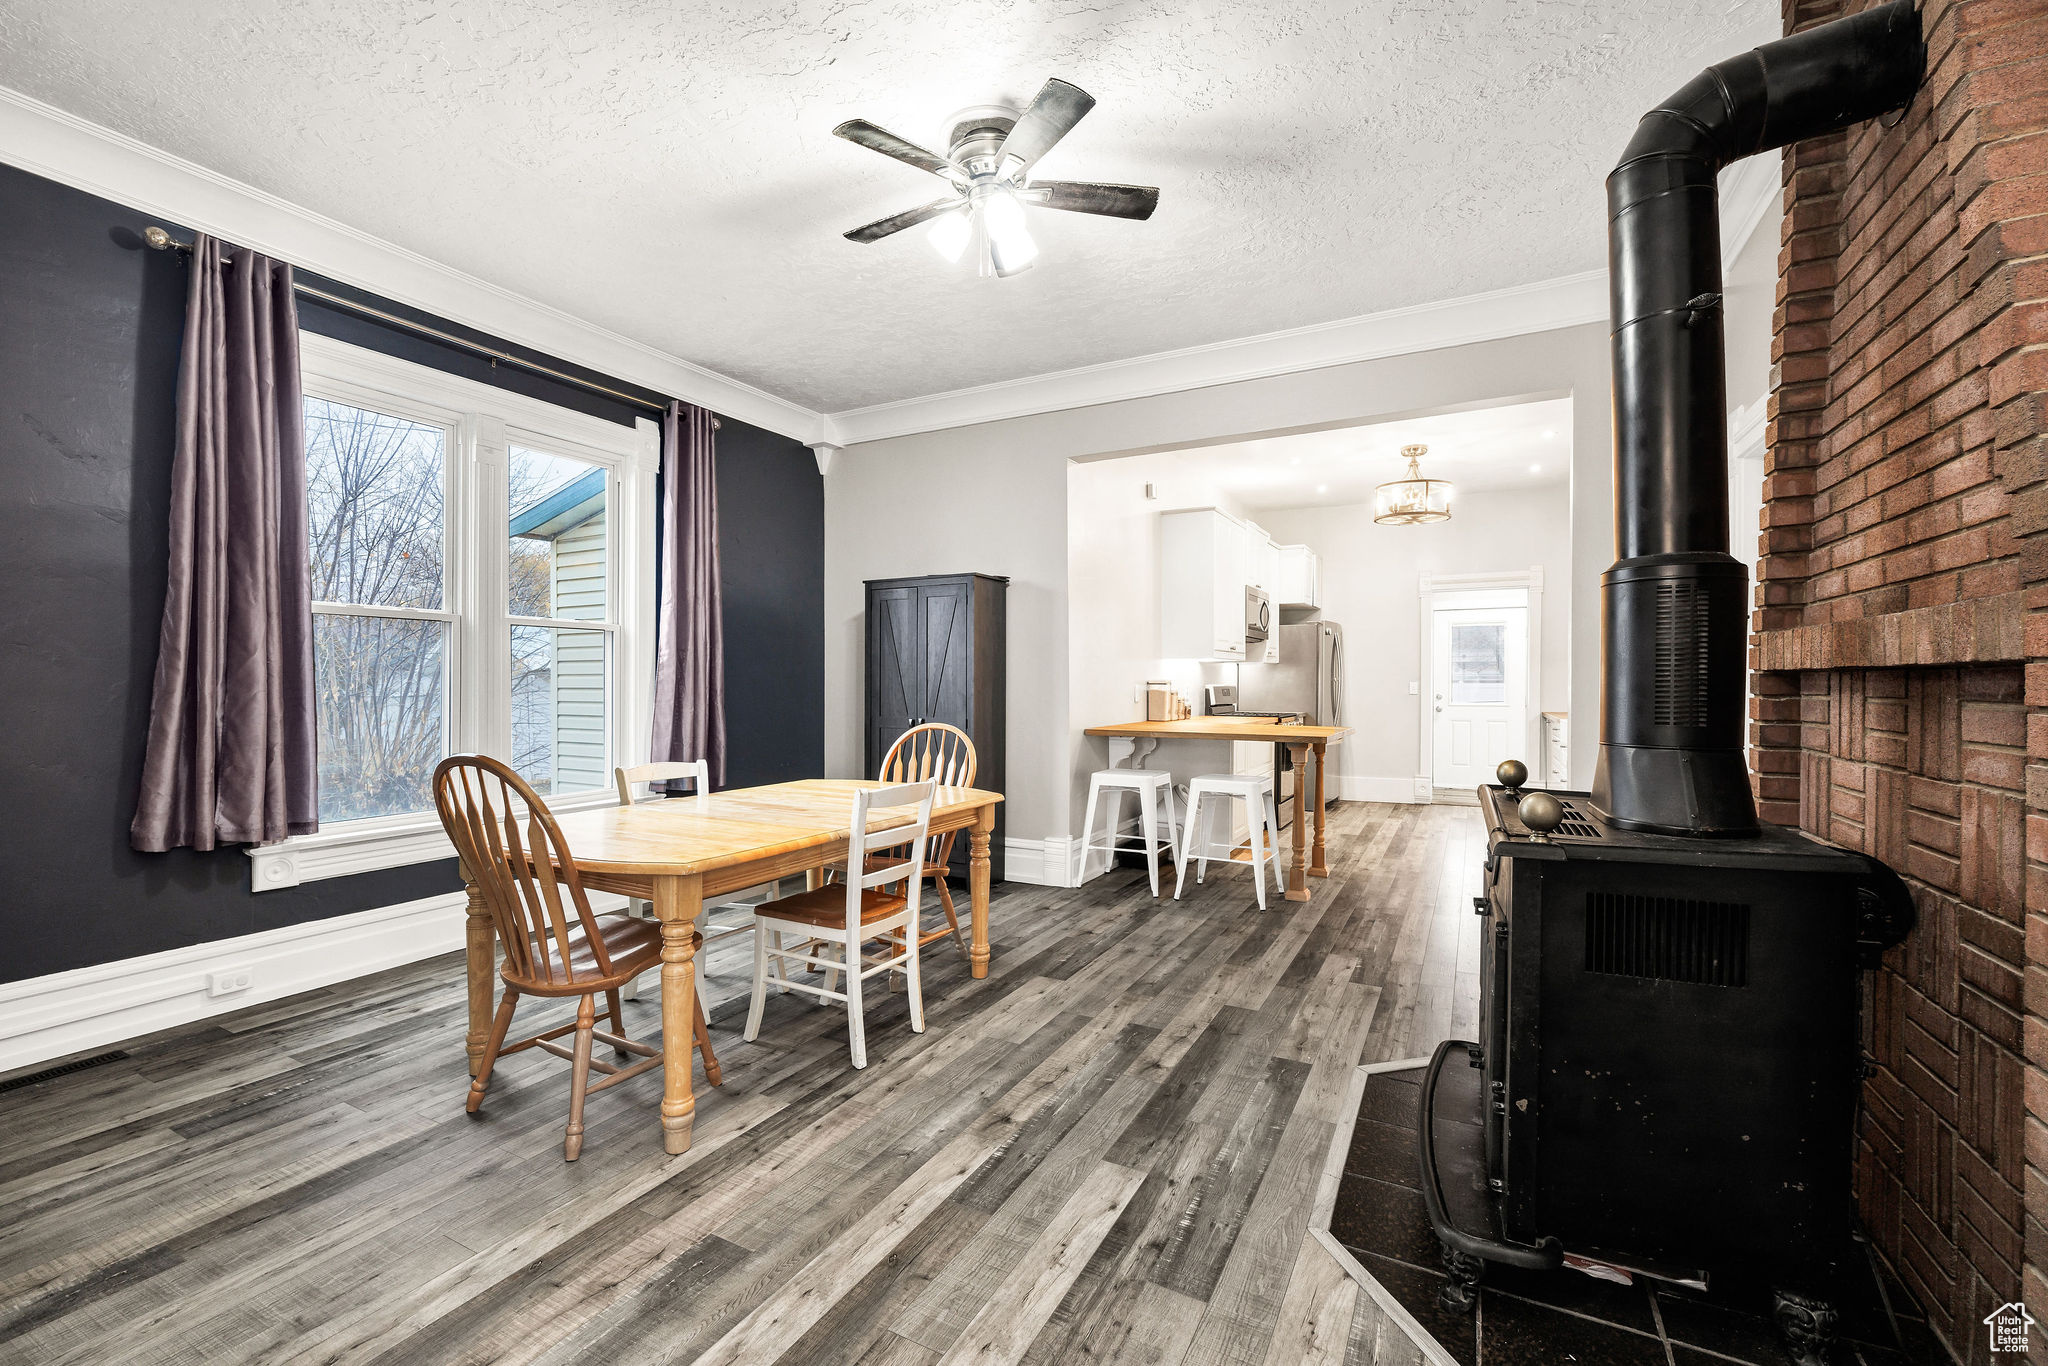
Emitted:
<point x="988" y="162"/>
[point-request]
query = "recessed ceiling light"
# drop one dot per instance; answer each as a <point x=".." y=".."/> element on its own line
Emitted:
<point x="1322" y="488"/>
<point x="1549" y="435"/>
<point x="1535" y="469"/>
<point x="1294" y="460"/>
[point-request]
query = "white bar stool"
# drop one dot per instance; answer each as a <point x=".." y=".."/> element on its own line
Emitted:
<point x="1261" y="817"/>
<point x="1153" y="788"/>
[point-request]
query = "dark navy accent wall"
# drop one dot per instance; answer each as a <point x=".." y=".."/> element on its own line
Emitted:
<point x="90" y="323"/>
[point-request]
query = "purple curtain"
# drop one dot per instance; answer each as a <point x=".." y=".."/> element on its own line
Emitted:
<point x="231" y="749"/>
<point x="689" y="666"/>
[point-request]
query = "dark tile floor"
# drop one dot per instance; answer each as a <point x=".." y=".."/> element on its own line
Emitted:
<point x="1564" y="1316"/>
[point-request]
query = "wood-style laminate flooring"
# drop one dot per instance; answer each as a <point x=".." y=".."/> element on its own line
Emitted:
<point x="1107" y="1151"/>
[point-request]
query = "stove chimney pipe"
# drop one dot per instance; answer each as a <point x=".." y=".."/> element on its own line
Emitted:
<point x="1674" y="622"/>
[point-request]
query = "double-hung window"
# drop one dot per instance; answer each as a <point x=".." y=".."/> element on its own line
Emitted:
<point x="482" y="570"/>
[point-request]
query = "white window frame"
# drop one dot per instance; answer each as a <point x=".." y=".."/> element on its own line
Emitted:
<point x="483" y="423"/>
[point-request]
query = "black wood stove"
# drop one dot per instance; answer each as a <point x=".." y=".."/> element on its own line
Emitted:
<point x="1670" y="1048"/>
<point x="1669" y="1055"/>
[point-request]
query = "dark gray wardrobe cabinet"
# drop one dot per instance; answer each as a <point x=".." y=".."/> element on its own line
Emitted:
<point x="936" y="653"/>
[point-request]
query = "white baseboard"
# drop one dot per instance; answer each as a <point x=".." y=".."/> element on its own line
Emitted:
<point x="1042" y="863"/>
<point x="68" y="1012"/>
<point x="1357" y="788"/>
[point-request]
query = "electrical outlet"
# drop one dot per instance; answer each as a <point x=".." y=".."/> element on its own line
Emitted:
<point x="227" y="983"/>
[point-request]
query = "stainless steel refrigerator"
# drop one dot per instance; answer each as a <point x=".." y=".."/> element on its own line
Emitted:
<point x="1309" y="679"/>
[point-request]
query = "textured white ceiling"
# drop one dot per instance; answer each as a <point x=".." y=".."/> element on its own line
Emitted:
<point x="667" y="169"/>
<point x="1484" y="450"/>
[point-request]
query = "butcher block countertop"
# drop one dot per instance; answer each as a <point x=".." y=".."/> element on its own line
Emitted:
<point x="1253" y="728"/>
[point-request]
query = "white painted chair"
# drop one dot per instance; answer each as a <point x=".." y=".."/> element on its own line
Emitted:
<point x="698" y="772"/>
<point x="850" y="914"/>
<point x="1262" y="820"/>
<point x="1154" y="791"/>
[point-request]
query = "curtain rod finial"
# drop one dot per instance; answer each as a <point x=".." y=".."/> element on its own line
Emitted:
<point x="158" y="239"/>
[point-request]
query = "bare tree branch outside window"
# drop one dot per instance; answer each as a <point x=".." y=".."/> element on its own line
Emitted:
<point x="375" y="503"/>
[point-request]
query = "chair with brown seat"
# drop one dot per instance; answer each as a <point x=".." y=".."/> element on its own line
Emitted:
<point x="554" y="945"/>
<point x="849" y="914"/>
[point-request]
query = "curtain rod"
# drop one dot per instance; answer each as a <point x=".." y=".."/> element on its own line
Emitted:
<point x="161" y="240"/>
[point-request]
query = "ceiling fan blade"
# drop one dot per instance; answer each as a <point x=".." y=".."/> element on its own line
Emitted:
<point x="909" y="218"/>
<point x="1078" y="196"/>
<point x="889" y="145"/>
<point x="1054" y="111"/>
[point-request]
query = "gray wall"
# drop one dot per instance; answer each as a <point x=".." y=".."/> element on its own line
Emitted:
<point x="993" y="498"/>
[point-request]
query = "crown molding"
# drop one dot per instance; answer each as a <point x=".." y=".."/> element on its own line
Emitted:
<point x="1541" y="307"/>
<point x="60" y="146"/>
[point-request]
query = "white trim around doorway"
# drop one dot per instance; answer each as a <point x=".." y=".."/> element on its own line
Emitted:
<point x="1434" y="590"/>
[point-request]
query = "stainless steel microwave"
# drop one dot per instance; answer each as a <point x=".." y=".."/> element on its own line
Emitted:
<point x="1258" y="615"/>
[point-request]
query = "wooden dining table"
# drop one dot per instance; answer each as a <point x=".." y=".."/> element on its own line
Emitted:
<point x="682" y="852"/>
<point x="1301" y="741"/>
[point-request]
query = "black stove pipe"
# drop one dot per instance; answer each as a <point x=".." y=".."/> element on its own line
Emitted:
<point x="1674" y="622"/>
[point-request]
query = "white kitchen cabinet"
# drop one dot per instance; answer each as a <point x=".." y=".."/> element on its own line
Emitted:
<point x="1203" y="569"/>
<point x="1264" y="561"/>
<point x="1299" y="577"/>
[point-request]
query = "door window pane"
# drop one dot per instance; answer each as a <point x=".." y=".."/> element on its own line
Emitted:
<point x="379" y="683"/>
<point x="560" y="708"/>
<point x="1479" y="664"/>
<point x="374" y="506"/>
<point x="557" y="509"/>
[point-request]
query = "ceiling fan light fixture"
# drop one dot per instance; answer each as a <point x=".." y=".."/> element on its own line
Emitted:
<point x="988" y="163"/>
<point x="950" y="233"/>
<point x="1009" y="236"/>
<point x="1414" y="500"/>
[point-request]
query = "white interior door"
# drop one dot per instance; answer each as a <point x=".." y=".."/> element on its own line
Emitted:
<point x="1479" y="670"/>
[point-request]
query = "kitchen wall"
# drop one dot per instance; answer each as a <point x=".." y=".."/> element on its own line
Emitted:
<point x="1371" y="580"/>
<point x="88" y="369"/>
<point x="993" y="497"/>
<point x="1113" y="573"/>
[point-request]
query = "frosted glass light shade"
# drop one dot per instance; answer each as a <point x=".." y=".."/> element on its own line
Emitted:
<point x="1414" y="500"/>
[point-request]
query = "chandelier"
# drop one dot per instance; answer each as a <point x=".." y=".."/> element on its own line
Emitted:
<point x="1413" y="500"/>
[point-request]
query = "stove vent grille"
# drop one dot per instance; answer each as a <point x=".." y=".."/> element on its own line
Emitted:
<point x="1668" y="939"/>
<point x="1682" y="617"/>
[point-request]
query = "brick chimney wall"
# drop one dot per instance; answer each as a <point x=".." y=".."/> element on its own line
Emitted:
<point x="1901" y="631"/>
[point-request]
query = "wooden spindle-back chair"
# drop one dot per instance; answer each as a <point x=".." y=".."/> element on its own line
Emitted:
<point x="554" y="944"/>
<point x="934" y="752"/>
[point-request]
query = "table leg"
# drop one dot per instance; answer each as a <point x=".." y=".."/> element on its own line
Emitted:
<point x="1297" y="874"/>
<point x="677" y="901"/>
<point x="1318" y="863"/>
<point x="480" y="945"/>
<point x="977" y="886"/>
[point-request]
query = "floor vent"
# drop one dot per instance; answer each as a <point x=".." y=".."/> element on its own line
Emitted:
<point x="63" y="1070"/>
<point x="1668" y="939"/>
